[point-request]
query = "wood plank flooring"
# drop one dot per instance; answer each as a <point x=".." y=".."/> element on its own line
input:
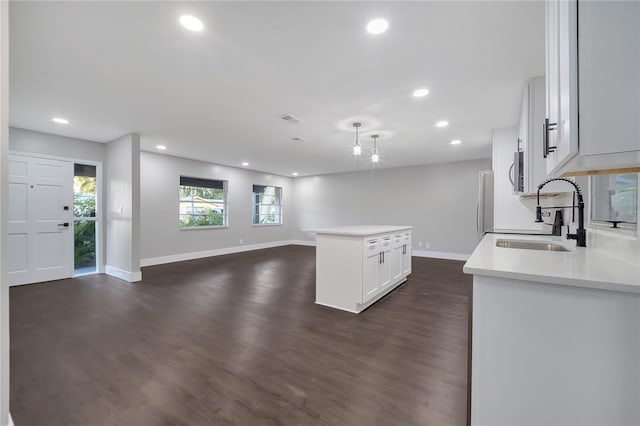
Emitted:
<point x="237" y="339"/>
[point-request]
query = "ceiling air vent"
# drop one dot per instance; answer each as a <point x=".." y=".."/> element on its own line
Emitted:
<point x="290" y="118"/>
<point x="298" y="139"/>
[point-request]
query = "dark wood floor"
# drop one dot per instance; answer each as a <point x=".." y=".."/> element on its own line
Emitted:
<point x="237" y="339"/>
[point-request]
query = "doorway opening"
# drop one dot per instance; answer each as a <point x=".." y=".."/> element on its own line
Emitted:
<point x="85" y="222"/>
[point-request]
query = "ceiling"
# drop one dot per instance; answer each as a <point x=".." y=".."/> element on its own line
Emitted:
<point x="113" y="68"/>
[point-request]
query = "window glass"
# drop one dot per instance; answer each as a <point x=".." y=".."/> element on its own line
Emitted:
<point x="267" y="205"/>
<point x="202" y="202"/>
<point x="614" y="198"/>
<point x="84" y="223"/>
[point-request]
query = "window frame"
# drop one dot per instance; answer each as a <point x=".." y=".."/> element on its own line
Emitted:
<point x="97" y="219"/>
<point x="225" y="213"/>
<point x="630" y="228"/>
<point x="253" y="206"/>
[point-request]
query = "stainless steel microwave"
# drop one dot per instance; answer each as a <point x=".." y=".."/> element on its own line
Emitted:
<point x="516" y="172"/>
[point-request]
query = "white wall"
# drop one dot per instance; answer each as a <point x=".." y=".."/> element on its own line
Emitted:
<point x="4" y="190"/>
<point x="438" y="200"/>
<point x="162" y="240"/>
<point x="123" y="208"/>
<point x="29" y="141"/>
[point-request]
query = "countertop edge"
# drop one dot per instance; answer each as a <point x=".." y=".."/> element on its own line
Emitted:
<point x="545" y="279"/>
<point x="360" y="233"/>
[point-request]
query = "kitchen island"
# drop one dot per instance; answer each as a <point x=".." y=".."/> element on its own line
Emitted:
<point x="556" y="334"/>
<point x="357" y="265"/>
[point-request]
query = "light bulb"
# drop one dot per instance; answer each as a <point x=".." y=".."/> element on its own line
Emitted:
<point x="377" y="26"/>
<point x="191" y="23"/>
<point x="357" y="150"/>
<point x="375" y="158"/>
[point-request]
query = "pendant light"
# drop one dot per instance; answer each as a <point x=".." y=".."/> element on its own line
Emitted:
<point x="357" y="149"/>
<point x="375" y="157"/>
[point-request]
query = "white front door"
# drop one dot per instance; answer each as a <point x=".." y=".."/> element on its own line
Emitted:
<point x="40" y="224"/>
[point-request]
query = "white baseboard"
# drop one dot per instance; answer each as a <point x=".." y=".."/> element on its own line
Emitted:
<point x="150" y="261"/>
<point x="303" y="243"/>
<point x="10" y="420"/>
<point x="132" y="277"/>
<point x="440" y="255"/>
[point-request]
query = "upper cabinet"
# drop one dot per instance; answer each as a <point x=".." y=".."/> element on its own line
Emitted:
<point x="560" y="133"/>
<point x="530" y="137"/>
<point x="592" y="86"/>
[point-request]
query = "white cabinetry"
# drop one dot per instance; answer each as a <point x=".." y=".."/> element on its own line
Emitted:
<point x="370" y="283"/>
<point x="406" y="253"/>
<point x="396" y="257"/>
<point x="547" y="354"/>
<point x="530" y="138"/>
<point x="357" y="265"/>
<point x="593" y="73"/>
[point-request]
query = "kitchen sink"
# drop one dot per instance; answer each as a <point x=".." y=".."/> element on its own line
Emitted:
<point x="531" y="245"/>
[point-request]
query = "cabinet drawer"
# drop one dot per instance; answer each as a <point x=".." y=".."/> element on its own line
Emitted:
<point x="386" y="241"/>
<point x="370" y="246"/>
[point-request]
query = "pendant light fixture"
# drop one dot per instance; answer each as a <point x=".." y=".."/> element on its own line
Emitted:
<point x="375" y="157"/>
<point x="357" y="149"/>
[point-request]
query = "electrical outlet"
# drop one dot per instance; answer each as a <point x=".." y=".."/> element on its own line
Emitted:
<point x="427" y="245"/>
<point x="241" y="241"/>
<point x="420" y="244"/>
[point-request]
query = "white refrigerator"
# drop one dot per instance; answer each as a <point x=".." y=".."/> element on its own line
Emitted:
<point x="484" y="206"/>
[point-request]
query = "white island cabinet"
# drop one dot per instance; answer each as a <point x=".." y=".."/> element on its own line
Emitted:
<point x="357" y="265"/>
<point x="556" y="334"/>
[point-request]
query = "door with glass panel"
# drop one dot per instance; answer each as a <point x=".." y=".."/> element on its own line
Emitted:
<point x="85" y="221"/>
<point x="40" y="235"/>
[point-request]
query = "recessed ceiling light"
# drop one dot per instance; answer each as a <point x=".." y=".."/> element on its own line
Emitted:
<point x="456" y="142"/>
<point x="294" y="173"/>
<point x="191" y="23"/>
<point x="244" y="163"/>
<point x="442" y="123"/>
<point x="60" y="120"/>
<point x="420" y="93"/>
<point x="377" y="26"/>
<point x="161" y="147"/>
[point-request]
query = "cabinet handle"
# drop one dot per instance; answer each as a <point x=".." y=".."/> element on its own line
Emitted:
<point x="547" y="126"/>
<point x="66" y="224"/>
<point x="511" y="175"/>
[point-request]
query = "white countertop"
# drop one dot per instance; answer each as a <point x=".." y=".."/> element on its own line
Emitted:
<point x="579" y="267"/>
<point x="360" y="230"/>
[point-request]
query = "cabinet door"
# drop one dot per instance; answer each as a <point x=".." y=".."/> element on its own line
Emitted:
<point x="396" y="261"/>
<point x="370" y="285"/>
<point x="609" y="64"/>
<point x="552" y="68"/>
<point x="384" y="269"/>
<point x="562" y="82"/>
<point x="406" y="259"/>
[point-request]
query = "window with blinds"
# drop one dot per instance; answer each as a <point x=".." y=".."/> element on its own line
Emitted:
<point x="203" y="202"/>
<point x="267" y="205"/>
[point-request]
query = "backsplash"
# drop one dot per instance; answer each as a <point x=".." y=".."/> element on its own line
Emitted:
<point x="624" y="245"/>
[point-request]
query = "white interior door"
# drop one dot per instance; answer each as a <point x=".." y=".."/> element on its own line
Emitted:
<point x="40" y="220"/>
